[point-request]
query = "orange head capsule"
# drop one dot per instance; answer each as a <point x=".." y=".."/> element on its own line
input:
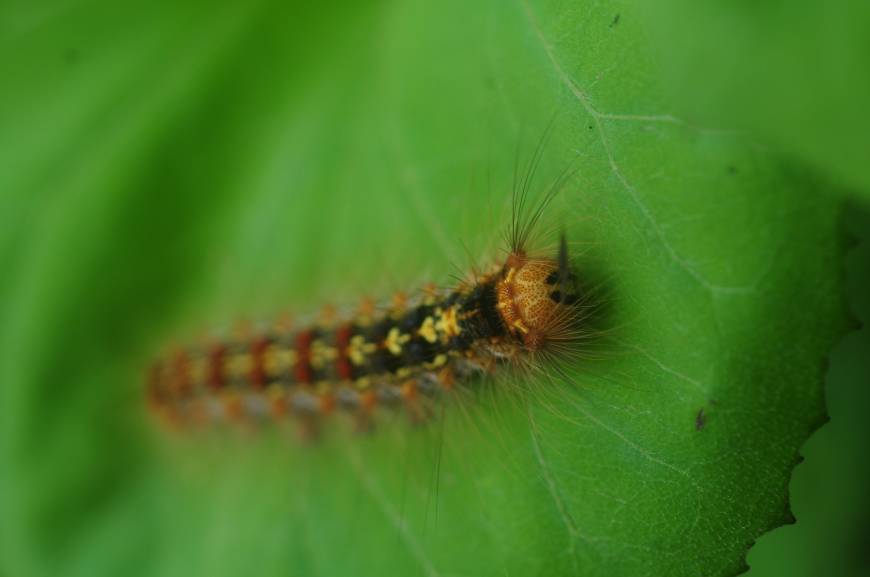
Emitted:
<point x="535" y="297"/>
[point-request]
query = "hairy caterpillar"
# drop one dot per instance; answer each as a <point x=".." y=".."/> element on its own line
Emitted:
<point x="525" y="310"/>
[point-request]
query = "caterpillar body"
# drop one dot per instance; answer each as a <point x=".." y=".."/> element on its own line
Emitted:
<point x="524" y="310"/>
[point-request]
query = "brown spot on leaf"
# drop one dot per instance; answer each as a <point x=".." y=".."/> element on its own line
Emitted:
<point x="700" y="420"/>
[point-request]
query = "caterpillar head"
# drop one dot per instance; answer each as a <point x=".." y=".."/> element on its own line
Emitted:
<point x="537" y="297"/>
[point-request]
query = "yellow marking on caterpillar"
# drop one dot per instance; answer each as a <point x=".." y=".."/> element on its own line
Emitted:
<point x="521" y="326"/>
<point x="395" y="340"/>
<point x="430" y="292"/>
<point x="238" y="366"/>
<point x="321" y="353"/>
<point x="358" y="349"/>
<point x="399" y="304"/>
<point x="323" y="387"/>
<point x="278" y="360"/>
<point x="198" y="370"/>
<point x="439" y="361"/>
<point x="366" y="312"/>
<point x="447" y="322"/>
<point x="427" y="330"/>
<point x="328" y="316"/>
<point x="403" y="372"/>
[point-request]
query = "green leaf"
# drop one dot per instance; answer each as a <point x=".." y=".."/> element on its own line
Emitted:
<point x="794" y="73"/>
<point x="828" y="491"/>
<point x="167" y="167"/>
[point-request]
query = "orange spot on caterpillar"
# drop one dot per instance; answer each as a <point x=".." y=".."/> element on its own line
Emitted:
<point x="430" y="293"/>
<point x="328" y="315"/>
<point x="278" y="407"/>
<point x="233" y="408"/>
<point x="181" y="373"/>
<point x="365" y="312"/>
<point x="408" y="390"/>
<point x="242" y="329"/>
<point x="410" y="393"/>
<point x="327" y="403"/>
<point x="447" y="378"/>
<point x="283" y="324"/>
<point x="368" y="400"/>
<point x="399" y="303"/>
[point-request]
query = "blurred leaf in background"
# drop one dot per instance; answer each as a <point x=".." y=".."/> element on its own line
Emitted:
<point x="793" y="73"/>
<point x="168" y="165"/>
<point x="796" y="74"/>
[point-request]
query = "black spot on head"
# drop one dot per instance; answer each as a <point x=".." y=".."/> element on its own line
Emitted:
<point x="561" y="277"/>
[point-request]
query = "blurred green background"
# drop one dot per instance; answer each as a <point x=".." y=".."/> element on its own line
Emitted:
<point x="167" y="165"/>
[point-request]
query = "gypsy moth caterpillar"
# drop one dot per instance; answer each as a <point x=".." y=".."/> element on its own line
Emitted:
<point x="525" y="312"/>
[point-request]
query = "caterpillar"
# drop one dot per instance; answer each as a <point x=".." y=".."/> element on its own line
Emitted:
<point x="525" y="311"/>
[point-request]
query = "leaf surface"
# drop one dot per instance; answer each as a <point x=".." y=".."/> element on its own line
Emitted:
<point x="169" y="167"/>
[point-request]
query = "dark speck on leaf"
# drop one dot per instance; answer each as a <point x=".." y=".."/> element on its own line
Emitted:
<point x="615" y="21"/>
<point x="700" y="420"/>
<point x="589" y="127"/>
<point x="732" y="169"/>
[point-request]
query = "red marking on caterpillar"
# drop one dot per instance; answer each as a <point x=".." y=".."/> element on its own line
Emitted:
<point x="342" y="342"/>
<point x="526" y="310"/>
<point x="215" y="366"/>
<point x="258" y="373"/>
<point x="302" y="370"/>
